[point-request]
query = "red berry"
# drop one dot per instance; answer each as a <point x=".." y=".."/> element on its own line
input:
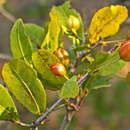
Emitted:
<point x="79" y="77"/>
<point x="63" y="55"/>
<point x="58" y="69"/>
<point x="124" y="51"/>
<point x="59" y="53"/>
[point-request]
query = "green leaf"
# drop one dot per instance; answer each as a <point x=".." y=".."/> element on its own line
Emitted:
<point x="100" y="58"/>
<point x="23" y="83"/>
<point x="108" y="64"/>
<point x="113" y="68"/>
<point x="63" y="12"/>
<point x="48" y="85"/>
<point x="42" y="60"/>
<point x="82" y="67"/>
<point x="112" y="64"/>
<point x="36" y="34"/>
<point x="20" y="44"/>
<point x="51" y="40"/>
<point x="70" y="88"/>
<point x="8" y="110"/>
<point x="97" y="81"/>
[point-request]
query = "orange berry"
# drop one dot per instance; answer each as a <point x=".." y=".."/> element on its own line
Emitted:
<point x="58" y="69"/>
<point x="79" y="77"/>
<point x="63" y="55"/>
<point x="124" y="51"/>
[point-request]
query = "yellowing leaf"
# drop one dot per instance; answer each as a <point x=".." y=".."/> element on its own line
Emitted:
<point x="2" y="1"/>
<point x="64" y="12"/>
<point x="106" y="22"/>
<point x="42" y="60"/>
<point x="52" y="36"/>
<point x="22" y="81"/>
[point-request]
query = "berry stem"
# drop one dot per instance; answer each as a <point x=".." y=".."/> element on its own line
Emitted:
<point x="66" y="77"/>
<point x="113" y="41"/>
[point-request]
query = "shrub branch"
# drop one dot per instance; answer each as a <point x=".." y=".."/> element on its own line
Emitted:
<point x="7" y="15"/>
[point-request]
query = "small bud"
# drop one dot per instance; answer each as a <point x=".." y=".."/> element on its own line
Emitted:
<point x="73" y="22"/>
<point x="124" y="51"/>
<point x="58" y="69"/>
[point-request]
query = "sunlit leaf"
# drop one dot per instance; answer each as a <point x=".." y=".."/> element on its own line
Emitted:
<point x="70" y="88"/>
<point x="42" y="60"/>
<point x="107" y="64"/>
<point x="8" y="110"/>
<point x="64" y="12"/>
<point x="20" y="44"/>
<point x="36" y="34"/>
<point x="106" y="22"/>
<point x="97" y="81"/>
<point x="23" y="83"/>
<point x="51" y="40"/>
<point x="112" y="64"/>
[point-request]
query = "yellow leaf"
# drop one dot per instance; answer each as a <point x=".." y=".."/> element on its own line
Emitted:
<point x="51" y="40"/>
<point x="106" y="22"/>
<point x="2" y="1"/>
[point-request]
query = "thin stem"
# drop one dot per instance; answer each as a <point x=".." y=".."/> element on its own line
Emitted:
<point x="69" y="113"/>
<point x="78" y="60"/>
<point x="7" y="15"/>
<point x="113" y="41"/>
<point x="80" y="81"/>
<point x="44" y="116"/>
<point x="113" y="49"/>
<point x="83" y="40"/>
<point x="24" y="124"/>
<point x="35" y="128"/>
<point x="67" y="119"/>
<point x="60" y="106"/>
<point x="41" y="118"/>
<point x="65" y="123"/>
